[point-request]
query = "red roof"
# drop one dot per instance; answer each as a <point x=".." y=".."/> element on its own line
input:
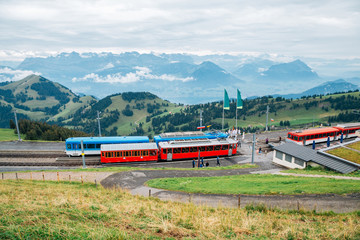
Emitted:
<point x="314" y="131"/>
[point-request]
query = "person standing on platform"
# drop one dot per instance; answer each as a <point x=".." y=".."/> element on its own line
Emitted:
<point x="193" y="163"/>
<point x="218" y="161"/>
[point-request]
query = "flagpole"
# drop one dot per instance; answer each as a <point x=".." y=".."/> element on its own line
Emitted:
<point x="223" y="121"/>
<point x="236" y="116"/>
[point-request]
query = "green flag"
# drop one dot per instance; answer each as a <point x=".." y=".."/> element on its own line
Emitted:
<point x="226" y="101"/>
<point x="239" y="103"/>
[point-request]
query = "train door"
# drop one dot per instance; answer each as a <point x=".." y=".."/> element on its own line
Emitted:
<point x="169" y="154"/>
<point x="347" y="133"/>
<point x="77" y="149"/>
<point x="230" y="150"/>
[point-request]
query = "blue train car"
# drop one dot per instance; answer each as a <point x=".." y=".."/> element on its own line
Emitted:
<point x="92" y="145"/>
<point x="173" y="136"/>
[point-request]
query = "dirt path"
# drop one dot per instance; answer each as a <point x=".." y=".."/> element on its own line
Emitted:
<point x="63" y="176"/>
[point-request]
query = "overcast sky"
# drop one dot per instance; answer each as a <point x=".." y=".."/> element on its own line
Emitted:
<point x="308" y="28"/>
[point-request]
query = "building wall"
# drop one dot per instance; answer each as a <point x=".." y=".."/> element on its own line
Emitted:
<point x="288" y="161"/>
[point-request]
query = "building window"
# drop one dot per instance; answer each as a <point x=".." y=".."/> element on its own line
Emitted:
<point x="279" y="155"/>
<point x="288" y="158"/>
<point x="299" y="162"/>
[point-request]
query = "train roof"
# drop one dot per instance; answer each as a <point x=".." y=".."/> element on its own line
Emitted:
<point x="128" y="146"/>
<point x="348" y="125"/>
<point x="188" y="135"/>
<point x="197" y="142"/>
<point x="119" y="139"/>
<point x="313" y="131"/>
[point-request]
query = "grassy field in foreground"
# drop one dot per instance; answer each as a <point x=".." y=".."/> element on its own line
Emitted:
<point x="257" y="184"/>
<point x="346" y="153"/>
<point x="7" y="134"/>
<point x="50" y="210"/>
<point x="320" y="171"/>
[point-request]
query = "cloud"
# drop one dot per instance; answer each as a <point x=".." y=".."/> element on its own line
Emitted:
<point x="8" y="74"/>
<point x="140" y="74"/>
<point x="301" y="28"/>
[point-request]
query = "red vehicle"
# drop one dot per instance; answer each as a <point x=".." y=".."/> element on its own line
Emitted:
<point x="348" y="129"/>
<point x="133" y="152"/>
<point x="189" y="149"/>
<point x="306" y="137"/>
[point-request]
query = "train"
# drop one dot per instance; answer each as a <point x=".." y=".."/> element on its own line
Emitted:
<point x="92" y="145"/>
<point x="168" y="151"/>
<point x="307" y="137"/>
<point x="173" y="136"/>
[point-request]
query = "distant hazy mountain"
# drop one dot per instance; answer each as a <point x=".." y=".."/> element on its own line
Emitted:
<point x="329" y="87"/>
<point x="292" y="71"/>
<point x="181" y="78"/>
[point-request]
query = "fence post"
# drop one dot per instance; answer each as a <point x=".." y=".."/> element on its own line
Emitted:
<point x="58" y="178"/>
<point x="16" y="176"/>
<point x="149" y="192"/>
<point x="43" y="176"/>
<point x="31" y="176"/>
<point x="298" y="205"/>
<point x="95" y="183"/>
<point x="82" y="181"/>
<point x="239" y="201"/>
<point x="2" y="176"/>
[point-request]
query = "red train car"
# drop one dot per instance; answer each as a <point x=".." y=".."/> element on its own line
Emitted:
<point x="189" y="149"/>
<point x="306" y="137"/>
<point x="348" y="129"/>
<point x="133" y="152"/>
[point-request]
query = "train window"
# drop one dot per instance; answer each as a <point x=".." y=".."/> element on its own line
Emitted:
<point x="127" y="153"/>
<point x="177" y="150"/>
<point x="152" y="153"/>
<point x="307" y="137"/>
<point x="185" y="150"/>
<point x="312" y="137"/>
<point x="300" y="138"/>
<point x="68" y="146"/>
<point x="193" y="149"/>
<point x="295" y="138"/>
<point x="169" y="150"/>
<point x="98" y="146"/>
<point x="217" y="148"/>
<point x="289" y="136"/>
<point x="225" y="147"/>
<point x="91" y="146"/>
<point x="135" y="153"/>
<point x="316" y="136"/>
<point x="209" y="148"/>
<point x="144" y="153"/>
<point x="164" y="151"/>
<point x="202" y="149"/>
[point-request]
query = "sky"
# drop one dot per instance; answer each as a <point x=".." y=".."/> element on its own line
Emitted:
<point x="321" y="28"/>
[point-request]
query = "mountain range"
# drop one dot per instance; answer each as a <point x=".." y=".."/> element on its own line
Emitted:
<point x="181" y="78"/>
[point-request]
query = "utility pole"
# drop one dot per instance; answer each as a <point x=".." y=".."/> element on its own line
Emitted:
<point x="82" y="153"/>
<point x="98" y="118"/>
<point x="253" y="149"/>
<point x="201" y="111"/>
<point x="267" y="117"/>
<point x="17" y="126"/>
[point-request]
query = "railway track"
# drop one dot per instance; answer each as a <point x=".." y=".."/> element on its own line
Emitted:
<point x="43" y="158"/>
